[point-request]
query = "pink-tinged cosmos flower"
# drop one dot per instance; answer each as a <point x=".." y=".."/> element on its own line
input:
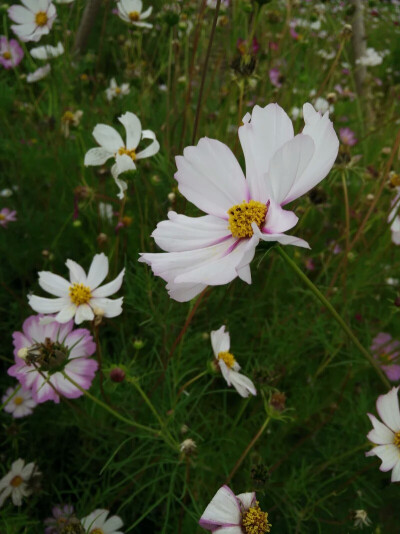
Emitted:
<point x="386" y="435"/>
<point x="62" y="516"/>
<point x="97" y="522"/>
<point x="16" y="483"/>
<point x="280" y="167"/>
<point x="229" y="367"/>
<point x="34" y="20"/>
<point x="7" y="216"/>
<point x="275" y="77"/>
<point x="20" y="405"/>
<point x="80" y="297"/>
<point x="228" y="513"/>
<point x="347" y="137"/>
<point x="11" y="53"/>
<point x="386" y="350"/>
<point x="45" y="352"/>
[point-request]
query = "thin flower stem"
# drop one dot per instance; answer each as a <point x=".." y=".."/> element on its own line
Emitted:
<point x="317" y="293"/>
<point x="191" y="381"/>
<point x="10" y="397"/>
<point x="106" y="407"/>
<point x="248" y="449"/>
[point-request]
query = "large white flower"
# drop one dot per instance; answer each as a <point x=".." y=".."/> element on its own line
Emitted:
<point x="280" y="167"/>
<point x="228" y="513"/>
<point x="230" y="368"/>
<point x="112" y="146"/>
<point x="16" y="482"/>
<point x="34" y="20"/>
<point x="97" y="522"/>
<point x="131" y="11"/>
<point x="80" y="297"/>
<point x="386" y="435"/>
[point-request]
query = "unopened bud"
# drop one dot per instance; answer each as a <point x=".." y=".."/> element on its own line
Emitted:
<point x="117" y="374"/>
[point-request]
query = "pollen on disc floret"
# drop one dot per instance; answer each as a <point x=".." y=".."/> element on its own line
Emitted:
<point x="241" y="217"/>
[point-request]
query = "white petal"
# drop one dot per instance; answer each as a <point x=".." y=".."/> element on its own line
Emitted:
<point x="83" y="313"/>
<point x="122" y="185"/>
<point x="54" y="284"/>
<point x="220" y="340"/>
<point x="110" y="288"/>
<point x="248" y="499"/>
<point x="108" y="138"/>
<point x="210" y="177"/>
<point x="113" y="524"/>
<point x="381" y="434"/>
<point x="388" y="409"/>
<point x="76" y="272"/>
<point x="133" y="129"/>
<point x="44" y="305"/>
<point x="146" y="13"/>
<point x="223" y="509"/>
<point x="184" y="292"/>
<point x="150" y="150"/>
<point x="279" y="220"/>
<point x="98" y="270"/>
<point x="110" y="307"/>
<point x="20" y="15"/>
<point x="124" y="163"/>
<point x="181" y="233"/>
<point x="389" y="454"/>
<point x="396" y="472"/>
<point x="243" y="385"/>
<point x="268" y="130"/>
<point x="281" y="238"/>
<point x="288" y="165"/>
<point x="97" y="156"/>
<point x="321" y="130"/>
<point x="66" y="313"/>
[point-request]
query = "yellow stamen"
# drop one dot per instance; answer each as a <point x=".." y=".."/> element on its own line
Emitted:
<point x="2" y="217"/>
<point x="79" y="294"/>
<point x="255" y="521"/>
<point x="97" y="531"/>
<point x="397" y="439"/>
<point x="130" y="153"/>
<point x="68" y="116"/>
<point x="228" y="358"/>
<point x="18" y="400"/>
<point x="16" y="481"/>
<point x="242" y="215"/>
<point x="117" y="90"/>
<point x="41" y="18"/>
<point x="134" y="16"/>
<point x="6" y="55"/>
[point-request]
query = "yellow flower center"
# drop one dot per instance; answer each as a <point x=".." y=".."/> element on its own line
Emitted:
<point x="68" y="116"/>
<point x="16" y="481"/>
<point x="79" y="294"/>
<point x="134" y="16"/>
<point x="41" y="18"/>
<point x="228" y="358"/>
<point x="97" y="531"/>
<point x="243" y="215"/>
<point x="18" y="400"/>
<point x="117" y="90"/>
<point x="130" y="153"/>
<point x="6" y="55"/>
<point x="255" y="521"/>
<point x="397" y="439"/>
<point x="2" y="217"/>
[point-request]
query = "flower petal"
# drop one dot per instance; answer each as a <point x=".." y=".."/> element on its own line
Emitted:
<point x="66" y="313"/>
<point x="223" y="510"/>
<point x="153" y="147"/>
<point x="97" y="156"/>
<point x="210" y="177"/>
<point x="44" y="305"/>
<point x="388" y="409"/>
<point x="247" y="499"/>
<point x="98" y="270"/>
<point x="133" y="129"/>
<point x="279" y="220"/>
<point x="381" y="434"/>
<point x="389" y="454"/>
<point x="108" y="138"/>
<point x="83" y="313"/>
<point x="21" y="15"/>
<point x="184" y="292"/>
<point x="76" y="272"/>
<point x="243" y="385"/>
<point x="110" y="307"/>
<point x="54" y="284"/>
<point x="110" y="288"/>
<point x="280" y="238"/>
<point x="220" y="341"/>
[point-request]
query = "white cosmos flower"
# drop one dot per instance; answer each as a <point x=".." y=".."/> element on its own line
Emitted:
<point x="371" y="58"/>
<point x="386" y="435"/>
<point x="131" y="11"/>
<point x="112" y="146"/>
<point x="116" y="91"/>
<point x="97" y="523"/>
<point x="39" y="73"/>
<point x="47" y="51"/>
<point x="230" y="368"/>
<point x="20" y="405"/>
<point x="280" y="167"/>
<point x="16" y="482"/>
<point x="228" y="513"/>
<point x="34" y="20"/>
<point x="80" y="297"/>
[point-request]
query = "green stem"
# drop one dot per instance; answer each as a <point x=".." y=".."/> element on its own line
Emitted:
<point x="317" y="293"/>
<point x="106" y="407"/>
<point x="10" y="397"/>
<point x="191" y="381"/>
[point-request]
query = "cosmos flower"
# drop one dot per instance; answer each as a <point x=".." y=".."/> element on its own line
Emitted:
<point x="97" y="522"/>
<point x="43" y="352"/>
<point x="70" y="118"/>
<point x="17" y="482"/>
<point x="116" y="91"/>
<point x="11" y="53"/>
<point x="63" y="515"/>
<point x="234" y="514"/>
<point x="229" y="367"/>
<point x="20" y="405"/>
<point x="39" y="73"/>
<point x="371" y="58"/>
<point x="347" y="137"/>
<point x="280" y="167"/>
<point x="131" y="11"/>
<point x="7" y="216"/>
<point x="34" y="19"/>
<point x="112" y="146"/>
<point x="387" y="350"/>
<point x="275" y="77"/>
<point x="386" y="435"/>
<point x="47" y="51"/>
<point x="80" y="297"/>
<point x="361" y="519"/>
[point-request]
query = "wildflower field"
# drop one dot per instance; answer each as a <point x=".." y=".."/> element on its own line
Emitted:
<point x="199" y="266"/>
